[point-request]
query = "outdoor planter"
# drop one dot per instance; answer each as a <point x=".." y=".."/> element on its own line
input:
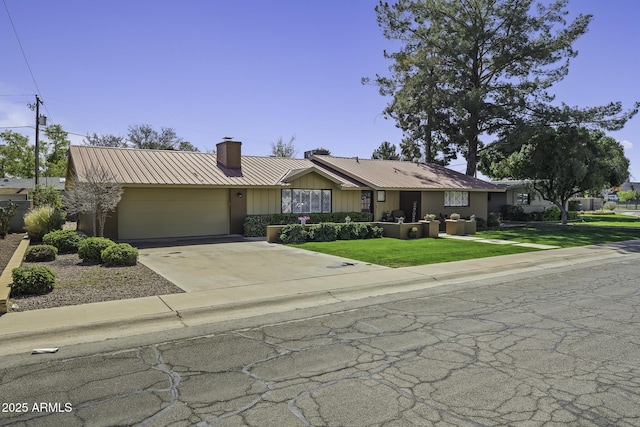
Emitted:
<point x="470" y="227"/>
<point x="430" y="228"/>
<point x="455" y="227"/>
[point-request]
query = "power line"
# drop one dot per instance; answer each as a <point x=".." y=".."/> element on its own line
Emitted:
<point x="24" y="55"/>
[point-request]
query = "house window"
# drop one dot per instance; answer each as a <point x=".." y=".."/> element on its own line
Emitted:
<point x="305" y="201"/>
<point x="523" y="199"/>
<point x="456" y="198"/>
<point x="365" y="201"/>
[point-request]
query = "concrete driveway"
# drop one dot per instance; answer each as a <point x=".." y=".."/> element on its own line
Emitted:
<point x="208" y="266"/>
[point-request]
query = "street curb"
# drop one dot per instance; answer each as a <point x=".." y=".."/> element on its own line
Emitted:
<point x="162" y="316"/>
<point x="6" y="277"/>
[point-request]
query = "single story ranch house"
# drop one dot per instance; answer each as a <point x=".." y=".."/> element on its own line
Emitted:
<point x="170" y="194"/>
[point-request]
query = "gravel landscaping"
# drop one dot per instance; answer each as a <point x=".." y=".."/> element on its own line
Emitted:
<point x="82" y="283"/>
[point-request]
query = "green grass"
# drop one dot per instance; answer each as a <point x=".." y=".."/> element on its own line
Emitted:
<point x="406" y="253"/>
<point x="566" y="237"/>
<point x="616" y="220"/>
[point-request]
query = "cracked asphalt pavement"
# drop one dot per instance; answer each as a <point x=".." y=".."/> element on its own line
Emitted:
<point x="558" y="348"/>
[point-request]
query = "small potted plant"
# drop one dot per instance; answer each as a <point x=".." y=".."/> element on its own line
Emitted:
<point x="303" y="219"/>
<point x="432" y="226"/>
<point x="454" y="226"/>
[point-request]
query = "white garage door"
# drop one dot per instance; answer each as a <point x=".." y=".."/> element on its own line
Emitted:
<point x="156" y="213"/>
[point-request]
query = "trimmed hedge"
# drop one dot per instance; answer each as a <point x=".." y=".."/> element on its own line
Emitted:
<point x="90" y="249"/>
<point x="323" y="233"/>
<point x="119" y="255"/>
<point x="40" y="253"/>
<point x="32" y="280"/>
<point x="256" y="225"/>
<point x="293" y="234"/>
<point x="67" y="241"/>
<point x="516" y="213"/>
<point x="297" y="233"/>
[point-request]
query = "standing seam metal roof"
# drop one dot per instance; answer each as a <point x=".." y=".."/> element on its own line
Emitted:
<point x="165" y="167"/>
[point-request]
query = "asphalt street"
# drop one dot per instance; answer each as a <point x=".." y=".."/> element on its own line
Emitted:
<point x="557" y="347"/>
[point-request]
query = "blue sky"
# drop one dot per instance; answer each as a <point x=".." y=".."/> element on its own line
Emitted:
<point x="254" y="70"/>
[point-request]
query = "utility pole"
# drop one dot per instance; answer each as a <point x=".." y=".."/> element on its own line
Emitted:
<point x="39" y="120"/>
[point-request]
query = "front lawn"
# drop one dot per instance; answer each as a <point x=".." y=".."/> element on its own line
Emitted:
<point x="566" y="237"/>
<point x="616" y="220"/>
<point x="406" y="253"/>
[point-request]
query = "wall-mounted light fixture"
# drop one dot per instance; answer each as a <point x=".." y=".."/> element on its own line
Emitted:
<point x="239" y="194"/>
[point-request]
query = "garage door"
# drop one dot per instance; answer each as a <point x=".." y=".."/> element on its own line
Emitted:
<point x="156" y="213"/>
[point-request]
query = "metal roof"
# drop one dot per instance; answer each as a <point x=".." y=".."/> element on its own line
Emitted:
<point x="166" y="167"/>
<point x="392" y="174"/>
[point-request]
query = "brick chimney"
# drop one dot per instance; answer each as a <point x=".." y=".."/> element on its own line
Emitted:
<point x="228" y="153"/>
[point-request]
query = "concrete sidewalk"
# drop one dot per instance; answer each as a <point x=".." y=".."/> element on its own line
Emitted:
<point x="56" y="327"/>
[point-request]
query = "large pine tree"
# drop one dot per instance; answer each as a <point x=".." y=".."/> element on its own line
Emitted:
<point x="471" y="67"/>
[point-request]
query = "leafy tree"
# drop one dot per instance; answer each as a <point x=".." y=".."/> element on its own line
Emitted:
<point x="6" y="214"/>
<point x="187" y="146"/>
<point x="46" y="195"/>
<point x="55" y="150"/>
<point x="96" y="193"/>
<point x="17" y="158"/>
<point x="284" y="149"/>
<point x="562" y="162"/>
<point x="145" y="137"/>
<point x="386" y="151"/>
<point x="629" y="196"/>
<point x="468" y="68"/>
<point x="323" y="151"/>
<point x="410" y="150"/>
<point x="106" y="140"/>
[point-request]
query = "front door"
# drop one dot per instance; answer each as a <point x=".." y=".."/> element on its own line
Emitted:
<point x="410" y="204"/>
<point x="237" y="210"/>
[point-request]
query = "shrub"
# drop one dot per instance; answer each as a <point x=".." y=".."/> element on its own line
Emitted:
<point x="256" y="225"/>
<point x="610" y="206"/>
<point x="90" y="249"/>
<point x="6" y="214"/>
<point x="66" y="241"/>
<point x="46" y="195"/>
<point x="42" y="220"/>
<point x="40" y="253"/>
<point x="32" y="280"/>
<point x="364" y="231"/>
<point x="413" y="233"/>
<point x="293" y="234"/>
<point x="119" y="255"/>
<point x="512" y="213"/>
<point x="493" y="220"/>
<point x="535" y="216"/>
<point x="551" y="214"/>
<point x="323" y="233"/>
<point x="574" y="205"/>
<point x="481" y="224"/>
<point x="347" y="231"/>
<point x="376" y="232"/>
